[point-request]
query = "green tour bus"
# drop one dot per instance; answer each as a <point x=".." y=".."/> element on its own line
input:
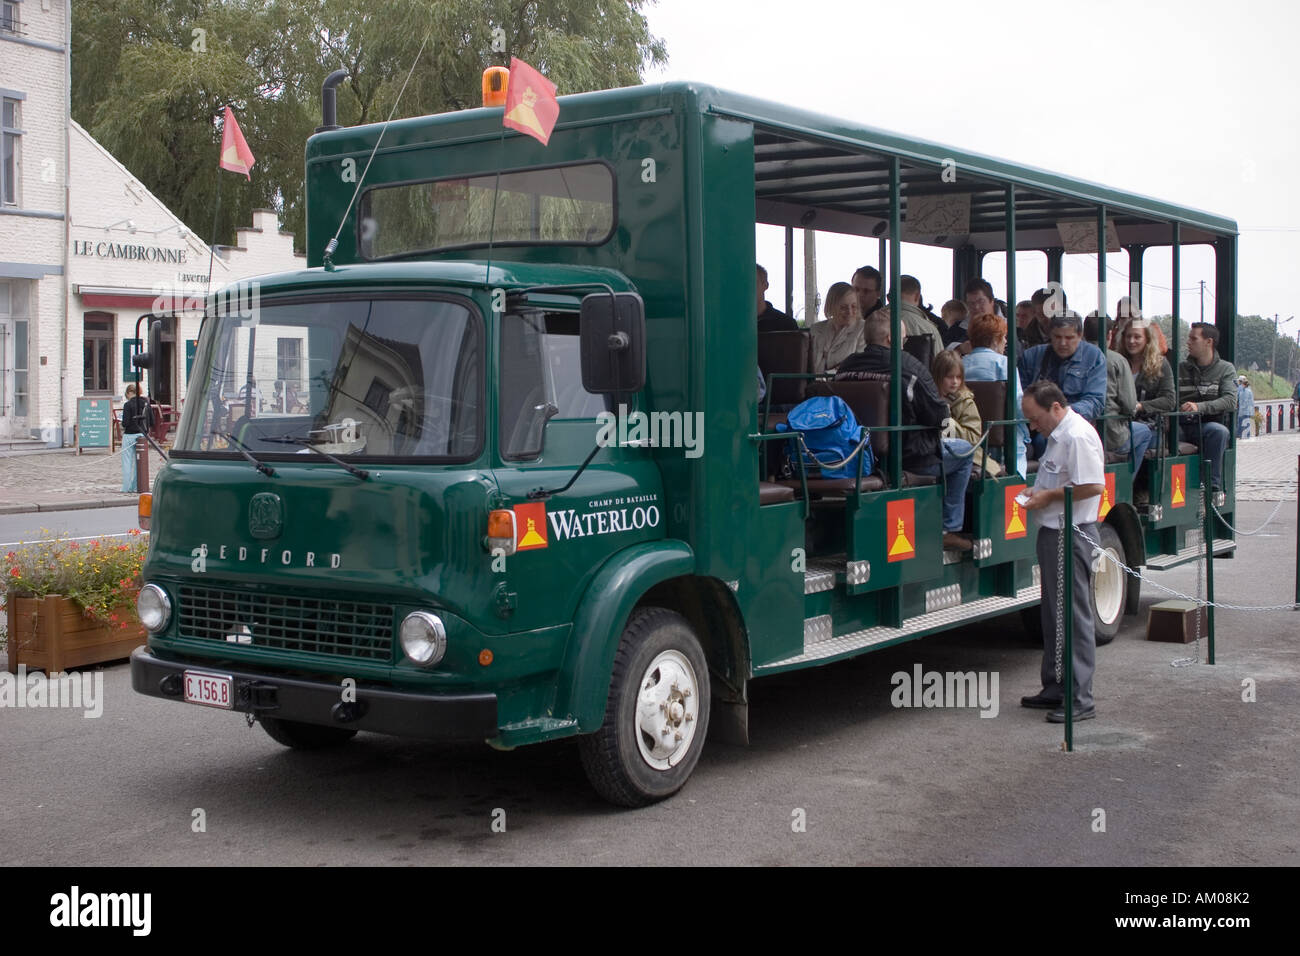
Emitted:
<point x="494" y="466"/>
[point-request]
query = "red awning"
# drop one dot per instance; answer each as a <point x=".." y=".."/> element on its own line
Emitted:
<point x="151" y="303"/>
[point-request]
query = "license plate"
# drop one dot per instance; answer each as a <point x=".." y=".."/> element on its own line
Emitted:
<point x="210" y="690"/>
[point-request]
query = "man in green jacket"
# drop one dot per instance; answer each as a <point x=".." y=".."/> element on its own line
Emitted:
<point x="1207" y="395"/>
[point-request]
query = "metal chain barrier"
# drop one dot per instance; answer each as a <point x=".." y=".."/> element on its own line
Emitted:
<point x="1201" y="602"/>
<point x="1266" y="523"/>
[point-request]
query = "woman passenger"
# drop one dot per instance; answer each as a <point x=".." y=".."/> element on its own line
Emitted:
<point x="1152" y="377"/>
<point x="964" y="418"/>
<point x="841" y="334"/>
<point x="986" y="363"/>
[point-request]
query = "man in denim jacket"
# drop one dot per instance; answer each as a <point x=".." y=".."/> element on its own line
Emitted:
<point x="1076" y="367"/>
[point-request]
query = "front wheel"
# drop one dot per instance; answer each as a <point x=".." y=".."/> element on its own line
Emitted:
<point x="1109" y="586"/>
<point x="657" y="713"/>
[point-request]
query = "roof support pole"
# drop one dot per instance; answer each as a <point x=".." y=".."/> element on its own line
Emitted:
<point x="1135" y="253"/>
<point x="1012" y="409"/>
<point x="789" y="272"/>
<point x="1176" y="332"/>
<point x="895" y="321"/>
<point x="1101" y="278"/>
<point x="1054" y="256"/>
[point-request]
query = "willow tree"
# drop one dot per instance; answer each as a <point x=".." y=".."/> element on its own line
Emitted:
<point x="150" y="77"/>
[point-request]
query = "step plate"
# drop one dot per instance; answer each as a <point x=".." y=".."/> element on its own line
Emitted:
<point x="1194" y="550"/>
<point x="819" y="646"/>
<point x="820" y="575"/>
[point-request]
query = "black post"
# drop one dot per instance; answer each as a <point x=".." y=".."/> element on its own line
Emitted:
<point x="1207" y="497"/>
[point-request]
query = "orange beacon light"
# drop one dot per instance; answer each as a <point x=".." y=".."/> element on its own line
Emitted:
<point x="495" y="80"/>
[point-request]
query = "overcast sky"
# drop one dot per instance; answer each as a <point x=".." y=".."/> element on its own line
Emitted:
<point x="1191" y="101"/>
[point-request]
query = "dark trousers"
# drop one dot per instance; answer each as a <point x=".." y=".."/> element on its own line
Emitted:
<point x="1212" y="439"/>
<point x="1084" y="639"/>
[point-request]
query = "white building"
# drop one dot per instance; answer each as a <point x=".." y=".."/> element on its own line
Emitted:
<point x="84" y="256"/>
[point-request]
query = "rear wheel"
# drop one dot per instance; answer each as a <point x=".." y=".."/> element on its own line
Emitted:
<point x="1109" y="586"/>
<point x="657" y="713"/>
<point x="300" y="736"/>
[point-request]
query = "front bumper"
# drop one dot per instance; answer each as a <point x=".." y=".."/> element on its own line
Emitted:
<point x="400" y="713"/>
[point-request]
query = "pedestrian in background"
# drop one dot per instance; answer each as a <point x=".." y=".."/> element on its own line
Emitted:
<point x="135" y="422"/>
<point x="1245" y="407"/>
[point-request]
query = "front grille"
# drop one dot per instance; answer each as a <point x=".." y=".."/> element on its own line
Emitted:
<point x="353" y="629"/>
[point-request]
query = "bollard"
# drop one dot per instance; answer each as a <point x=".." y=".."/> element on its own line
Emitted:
<point x="142" y="463"/>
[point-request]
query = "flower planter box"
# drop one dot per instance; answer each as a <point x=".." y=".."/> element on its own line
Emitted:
<point x="53" y="633"/>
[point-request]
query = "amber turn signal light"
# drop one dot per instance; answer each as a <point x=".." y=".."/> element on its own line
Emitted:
<point x="501" y="531"/>
<point x="485" y="657"/>
<point x="144" y="511"/>
<point x="495" y="80"/>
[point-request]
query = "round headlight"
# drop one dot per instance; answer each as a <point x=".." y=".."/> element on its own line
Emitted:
<point x="424" y="639"/>
<point x="153" y="607"/>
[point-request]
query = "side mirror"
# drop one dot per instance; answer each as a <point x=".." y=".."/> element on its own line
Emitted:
<point x="612" y="342"/>
<point x="148" y="360"/>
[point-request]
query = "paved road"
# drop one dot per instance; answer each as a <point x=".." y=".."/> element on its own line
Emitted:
<point x="1184" y="770"/>
<point x="90" y="521"/>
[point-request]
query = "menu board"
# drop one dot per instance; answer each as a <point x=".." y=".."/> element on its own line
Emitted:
<point x="94" y="422"/>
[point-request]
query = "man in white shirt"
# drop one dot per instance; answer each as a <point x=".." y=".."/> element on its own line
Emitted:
<point x="1074" y="457"/>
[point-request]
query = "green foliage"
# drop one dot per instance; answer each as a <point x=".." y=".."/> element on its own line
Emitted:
<point x="151" y="89"/>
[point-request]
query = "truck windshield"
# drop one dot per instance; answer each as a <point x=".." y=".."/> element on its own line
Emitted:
<point x="375" y="378"/>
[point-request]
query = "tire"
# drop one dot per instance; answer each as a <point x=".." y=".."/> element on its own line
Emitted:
<point x="300" y="736"/>
<point x="1109" y="587"/>
<point x="633" y="760"/>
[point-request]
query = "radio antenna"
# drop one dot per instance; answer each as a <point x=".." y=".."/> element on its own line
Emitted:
<point x="333" y="244"/>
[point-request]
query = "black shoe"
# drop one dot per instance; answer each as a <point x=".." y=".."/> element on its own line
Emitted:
<point x="1058" y="716"/>
<point x="1040" y="702"/>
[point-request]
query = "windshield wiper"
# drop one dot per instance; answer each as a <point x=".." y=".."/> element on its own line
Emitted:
<point x="243" y="450"/>
<point x="306" y="443"/>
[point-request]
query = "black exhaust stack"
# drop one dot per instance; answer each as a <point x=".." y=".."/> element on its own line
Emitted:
<point x="329" y="102"/>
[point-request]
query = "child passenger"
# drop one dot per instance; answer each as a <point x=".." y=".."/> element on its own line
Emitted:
<point x="964" y="421"/>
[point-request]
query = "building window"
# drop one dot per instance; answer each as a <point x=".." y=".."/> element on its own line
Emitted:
<point x="9" y="22"/>
<point x="10" y="150"/>
<point x="98" y="354"/>
<point x="288" y="359"/>
<point x="14" y="316"/>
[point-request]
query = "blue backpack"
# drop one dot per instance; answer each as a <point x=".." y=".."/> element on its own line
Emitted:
<point x="830" y="433"/>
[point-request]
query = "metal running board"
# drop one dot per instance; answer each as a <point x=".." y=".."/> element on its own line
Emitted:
<point x="819" y="647"/>
<point x="1195" y="549"/>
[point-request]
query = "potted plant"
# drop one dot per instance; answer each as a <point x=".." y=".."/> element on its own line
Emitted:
<point x="72" y="603"/>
